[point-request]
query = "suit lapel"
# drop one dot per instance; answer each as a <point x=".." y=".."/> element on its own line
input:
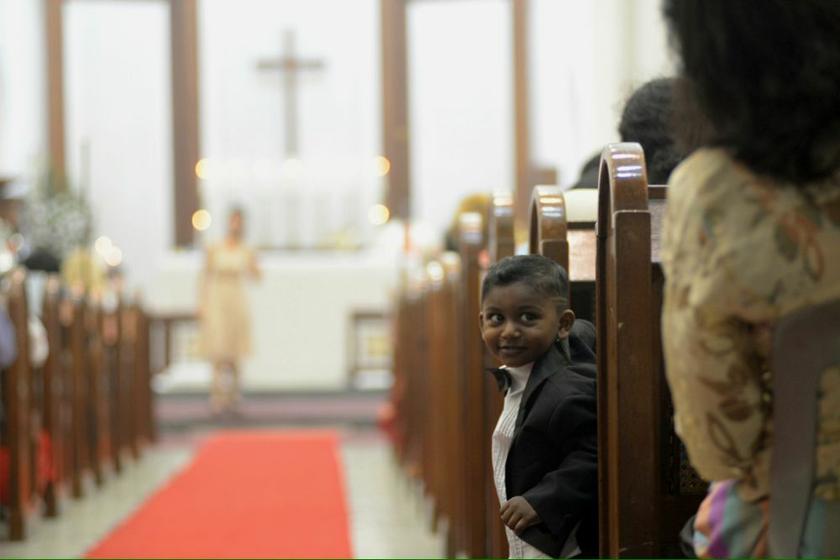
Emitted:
<point x="551" y="362"/>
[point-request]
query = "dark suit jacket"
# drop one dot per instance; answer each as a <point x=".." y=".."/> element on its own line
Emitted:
<point x="553" y="460"/>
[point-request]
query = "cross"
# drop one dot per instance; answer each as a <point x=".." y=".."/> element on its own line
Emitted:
<point x="289" y="66"/>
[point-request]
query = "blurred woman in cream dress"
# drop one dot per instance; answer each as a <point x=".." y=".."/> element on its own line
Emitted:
<point x="225" y="335"/>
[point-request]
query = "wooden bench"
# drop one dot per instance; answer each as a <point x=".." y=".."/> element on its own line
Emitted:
<point x="474" y="382"/>
<point x="570" y="243"/>
<point x="440" y="362"/>
<point x="81" y="410"/>
<point x="501" y="244"/>
<point x="54" y="410"/>
<point x="646" y="489"/>
<point x="445" y="408"/>
<point x="18" y="437"/>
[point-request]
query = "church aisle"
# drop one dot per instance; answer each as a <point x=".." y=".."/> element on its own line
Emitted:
<point x="85" y="522"/>
<point x="387" y="517"/>
<point x="246" y="494"/>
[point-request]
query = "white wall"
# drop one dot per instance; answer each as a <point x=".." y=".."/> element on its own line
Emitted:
<point x="334" y="183"/>
<point x="23" y="119"/>
<point x="460" y="103"/>
<point x="118" y="104"/>
<point x="587" y="57"/>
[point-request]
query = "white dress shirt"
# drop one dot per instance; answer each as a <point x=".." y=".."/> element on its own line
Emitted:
<point x="502" y="439"/>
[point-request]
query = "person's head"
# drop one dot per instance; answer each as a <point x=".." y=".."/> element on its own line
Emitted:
<point x="479" y="202"/>
<point x="524" y="308"/>
<point x="648" y="118"/>
<point x="236" y="223"/>
<point x="588" y="178"/>
<point x="766" y="75"/>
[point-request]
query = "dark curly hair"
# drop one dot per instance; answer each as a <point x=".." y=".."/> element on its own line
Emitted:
<point x="767" y="75"/>
<point x="648" y="118"/>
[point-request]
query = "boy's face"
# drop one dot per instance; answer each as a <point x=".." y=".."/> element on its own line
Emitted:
<point x="519" y="324"/>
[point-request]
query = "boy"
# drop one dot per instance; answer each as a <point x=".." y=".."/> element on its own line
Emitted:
<point x="545" y="443"/>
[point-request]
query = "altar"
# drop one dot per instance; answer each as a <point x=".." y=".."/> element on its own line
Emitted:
<point x="301" y="313"/>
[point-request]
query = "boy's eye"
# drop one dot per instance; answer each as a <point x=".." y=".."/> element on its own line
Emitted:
<point x="528" y="317"/>
<point x="495" y="319"/>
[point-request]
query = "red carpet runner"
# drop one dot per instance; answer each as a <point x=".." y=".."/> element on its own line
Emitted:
<point x="245" y="495"/>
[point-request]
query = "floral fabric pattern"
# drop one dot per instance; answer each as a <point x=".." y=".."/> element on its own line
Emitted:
<point x="739" y="252"/>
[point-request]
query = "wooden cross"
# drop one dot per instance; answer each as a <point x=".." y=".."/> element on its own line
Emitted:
<point x="289" y="66"/>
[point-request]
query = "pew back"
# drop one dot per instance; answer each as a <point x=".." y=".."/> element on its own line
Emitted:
<point x="572" y="244"/>
<point x="18" y="434"/>
<point x="501" y="244"/>
<point x="477" y="469"/>
<point x="643" y="472"/>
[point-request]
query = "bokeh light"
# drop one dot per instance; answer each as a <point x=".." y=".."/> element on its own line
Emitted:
<point x="379" y="214"/>
<point x="201" y="220"/>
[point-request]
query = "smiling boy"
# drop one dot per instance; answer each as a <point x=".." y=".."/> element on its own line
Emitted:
<point x="545" y="442"/>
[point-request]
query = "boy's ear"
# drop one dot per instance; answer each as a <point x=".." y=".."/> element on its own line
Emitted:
<point x="567" y="319"/>
<point x="481" y="323"/>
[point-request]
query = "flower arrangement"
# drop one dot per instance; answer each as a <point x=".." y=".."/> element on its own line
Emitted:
<point x="56" y="218"/>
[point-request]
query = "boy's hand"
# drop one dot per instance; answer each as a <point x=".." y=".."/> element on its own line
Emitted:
<point x="518" y="514"/>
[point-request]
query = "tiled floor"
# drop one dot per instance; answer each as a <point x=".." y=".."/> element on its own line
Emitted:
<point x="388" y="519"/>
<point x="82" y="523"/>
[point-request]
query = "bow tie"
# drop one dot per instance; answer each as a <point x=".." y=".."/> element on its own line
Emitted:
<point x="503" y="378"/>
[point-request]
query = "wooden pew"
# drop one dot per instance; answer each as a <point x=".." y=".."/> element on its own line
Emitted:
<point x="99" y="427"/>
<point x="141" y="371"/>
<point x="402" y="359"/>
<point x="78" y="391"/>
<point x="570" y="243"/>
<point x="88" y="402"/>
<point x="477" y="450"/>
<point x="647" y="491"/>
<point x="132" y="397"/>
<point x="501" y="244"/>
<point x="18" y="436"/>
<point x="115" y="385"/>
<point x="410" y="363"/>
<point x="55" y="376"/>
<point x="445" y="405"/>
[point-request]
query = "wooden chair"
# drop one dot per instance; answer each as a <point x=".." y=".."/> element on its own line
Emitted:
<point x="18" y="436"/>
<point x="647" y="490"/>
<point x="806" y="343"/>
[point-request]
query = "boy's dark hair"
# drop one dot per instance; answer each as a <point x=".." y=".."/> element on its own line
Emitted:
<point x="648" y="118"/>
<point x="766" y="75"/>
<point x="540" y="273"/>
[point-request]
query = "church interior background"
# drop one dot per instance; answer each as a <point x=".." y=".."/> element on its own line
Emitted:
<point x="349" y="142"/>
